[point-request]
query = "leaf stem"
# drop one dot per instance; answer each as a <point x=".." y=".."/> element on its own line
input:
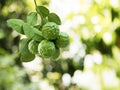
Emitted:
<point x="42" y="18"/>
<point x="35" y="3"/>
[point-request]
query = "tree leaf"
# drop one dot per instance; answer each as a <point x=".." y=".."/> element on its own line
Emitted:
<point x="38" y="35"/>
<point x="32" y="33"/>
<point x="42" y="11"/>
<point x="114" y="14"/>
<point x="25" y="54"/>
<point x="52" y="17"/>
<point x="28" y="30"/>
<point x="16" y="24"/>
<point x="38" y="26"/>
<point x="37" y="38"/>
<point x="22" y="44"/>
<point x="32" y="18"/>
<point x="36" y="31"/>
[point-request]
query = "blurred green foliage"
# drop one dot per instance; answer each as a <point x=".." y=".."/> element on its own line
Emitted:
<point x="12" y="74"/>
<point x="101" y="37"/>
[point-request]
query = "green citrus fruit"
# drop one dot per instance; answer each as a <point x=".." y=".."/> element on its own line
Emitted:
<point x="46" y="48"/>
<point x="56" y="54"/>
<point x="62" y="40"/>
<point x="33" y="46"/>
<point x="50" y="31"/>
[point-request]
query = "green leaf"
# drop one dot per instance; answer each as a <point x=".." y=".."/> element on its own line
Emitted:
<point x="44" y="21"/>
<point x="28" y="30"/>
<point x="38" y="26"/>
<point x="32" y="33"/>
<point x="16" y="24"/>
<point x="36" y="31"/>
<point x="38" y="35"/>
<point x="25" y="54"/>
<point x="114" y="14"/>
<point x="52" y="17"/>
<point x="22" y="44"/>
<point x="42" y="11"/>
<point x="117" y="31"/>
<point x="37" y="38"/>
<point x="32" y="18"/>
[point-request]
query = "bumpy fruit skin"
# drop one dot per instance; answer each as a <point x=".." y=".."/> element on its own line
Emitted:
<point x="33" y="46"/>
<point x="56" y="54"/>
<point x="46" y="48"/>
<point x="62" y="40"/>
<point x="50" y="31"/>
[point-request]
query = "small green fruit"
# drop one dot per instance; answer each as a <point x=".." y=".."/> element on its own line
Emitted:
<point x="56" y="54"/>
<point x="46" y="48"/>
<point x="33" y="46"/>
<point x="50" y="31"/>
<point x="62" y="40"/>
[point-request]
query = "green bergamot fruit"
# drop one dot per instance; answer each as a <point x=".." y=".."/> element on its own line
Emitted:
<point x="56" y="54"/>
<point x="33" y="46"/>
<point x="62" y="40"/>
<point x="50" y="31"/>
<point x="46" y="48"/>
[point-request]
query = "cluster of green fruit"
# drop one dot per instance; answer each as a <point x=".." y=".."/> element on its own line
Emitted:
<point x="43" y="39"/>
<point x="52" y="40"/>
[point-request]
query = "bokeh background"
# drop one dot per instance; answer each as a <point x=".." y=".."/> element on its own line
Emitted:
<point x="92" y="60"/>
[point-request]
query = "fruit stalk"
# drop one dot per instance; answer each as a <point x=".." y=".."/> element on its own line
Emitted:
<point x="42" y="18"/>
<point x="35" y="3"/>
